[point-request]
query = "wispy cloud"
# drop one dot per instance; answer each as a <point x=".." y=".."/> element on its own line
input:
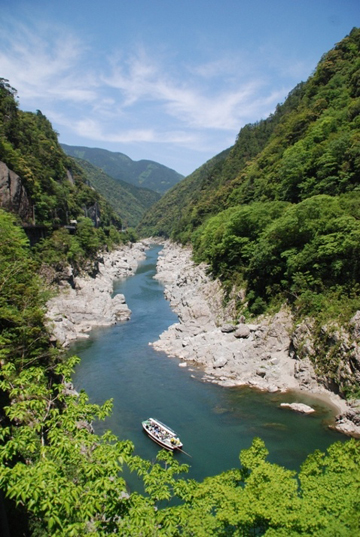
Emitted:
<point x="132" y="96"/>
<point x="42" y="62"/>
<point x="195" y="103"/>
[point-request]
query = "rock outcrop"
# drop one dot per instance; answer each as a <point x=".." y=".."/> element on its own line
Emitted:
<point x="13" y="196"/>
<point x="262" y="355"/>
<point x="86" y="302"/>
<point x="299" y="407"/>
<point x="231" y="354"/>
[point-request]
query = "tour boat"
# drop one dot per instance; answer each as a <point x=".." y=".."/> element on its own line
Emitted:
<point x="162" y="434"/>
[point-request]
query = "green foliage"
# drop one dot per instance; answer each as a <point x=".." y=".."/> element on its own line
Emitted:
<point x="261" y="498"/>
<point x="300" y="253"/>
<point x="146" y="174"/>
<point x="227" y="240"/>
<point x="23" y="337"/>
<point x="55" y="185"/>
<point x="69" y="478"/>
<point x="315" y="237"/>
<point x="128" y="201"/>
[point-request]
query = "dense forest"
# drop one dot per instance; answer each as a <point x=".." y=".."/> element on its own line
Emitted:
<point x="128" y="201"/>
<point x="145" y="174"/>
<point x="279" y="212"/>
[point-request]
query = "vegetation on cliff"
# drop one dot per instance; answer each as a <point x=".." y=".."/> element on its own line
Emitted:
<point x="284" y="234"/>
<point x="278" y="213"/>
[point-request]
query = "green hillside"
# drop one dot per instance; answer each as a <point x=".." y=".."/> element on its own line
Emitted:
<point x="205" y="191"/>
<point x="279" y="213"/>
<point x="48" y="191"/>
<point x="163" y="216"/>
<point x="128" y="201"/>
<point x="143" y="173"/>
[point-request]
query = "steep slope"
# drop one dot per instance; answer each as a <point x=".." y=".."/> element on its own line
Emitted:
<point x="278" y="218"/>
<point x="163" y="216"/>
<point x="128" y="201"/>
<point x="143" y="173"/>
<point x="309" y="146"/>
<point x="205" y="191"/>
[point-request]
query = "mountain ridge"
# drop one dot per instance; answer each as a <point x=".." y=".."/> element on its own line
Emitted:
<point x="143" y="173"/>
<point x="128" y="201"/>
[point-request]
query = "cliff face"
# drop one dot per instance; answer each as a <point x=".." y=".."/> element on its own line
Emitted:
<point x="334" y="351"/>
<point x="13" y="196"/>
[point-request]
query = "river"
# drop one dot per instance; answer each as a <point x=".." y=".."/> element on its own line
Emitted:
<point x="214" y="422"/>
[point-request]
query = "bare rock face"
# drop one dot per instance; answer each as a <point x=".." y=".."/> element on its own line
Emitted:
<point x="340" y="350"/>
<point x="232" y="354"/>
<point x="86" y="302"/>
<point x="270" y="355"/>
<point x="242" y="331"/>
<point x="13" y="196"/>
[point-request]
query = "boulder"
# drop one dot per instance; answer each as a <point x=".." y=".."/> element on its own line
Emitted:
<point x="219" y="362"/>
<point x="228" y="328"/>
<point x="242" y="331"/>
<point x="298" y="407"/>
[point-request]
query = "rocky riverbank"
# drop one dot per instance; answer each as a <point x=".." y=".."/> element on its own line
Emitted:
<point x="85" y="302"/>
<point x="232" y="353"/>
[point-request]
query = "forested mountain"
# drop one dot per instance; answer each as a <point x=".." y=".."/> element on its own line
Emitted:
<point x="203" y="192"/>
<point x="308" y="146"/>
<point x="143" y="173"/>
<point x="128" y="201"/>
<point x="283" y="202"/>
<point x="278" y="213"/>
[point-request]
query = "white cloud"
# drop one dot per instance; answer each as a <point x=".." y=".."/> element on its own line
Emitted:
<point x="43" y="62"/>
<point x="192" y="103"/>
<point x="132" y="97"/>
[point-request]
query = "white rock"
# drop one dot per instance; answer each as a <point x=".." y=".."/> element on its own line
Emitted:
<point x="298" y="407"/>
<point x="75" y="311"/>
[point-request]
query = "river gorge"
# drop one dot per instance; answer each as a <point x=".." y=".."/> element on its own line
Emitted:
<point x="123" y="361"/>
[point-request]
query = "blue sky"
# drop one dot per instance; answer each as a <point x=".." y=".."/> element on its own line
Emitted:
<point x="165" y="80"/>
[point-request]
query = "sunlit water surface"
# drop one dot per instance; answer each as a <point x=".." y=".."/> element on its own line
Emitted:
<point x="214" y="423"/>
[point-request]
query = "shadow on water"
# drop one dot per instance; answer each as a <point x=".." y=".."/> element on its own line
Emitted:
<point x="214" y="422"/>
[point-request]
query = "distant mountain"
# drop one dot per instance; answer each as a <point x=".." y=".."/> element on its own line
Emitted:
<point x="142" y="173"/>
<point x="128" y="201"/>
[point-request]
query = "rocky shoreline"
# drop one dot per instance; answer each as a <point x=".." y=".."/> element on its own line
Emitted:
<point x="85" y="302"/>
<point x="235" y="354"/>
<point x="230" y="354"/>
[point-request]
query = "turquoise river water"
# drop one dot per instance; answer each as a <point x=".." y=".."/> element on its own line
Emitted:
<point x="214" y="423"/>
